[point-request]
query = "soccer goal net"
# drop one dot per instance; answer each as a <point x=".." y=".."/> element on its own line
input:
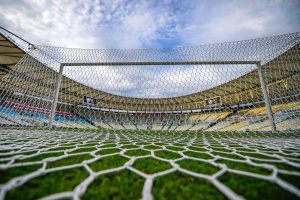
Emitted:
<point x="250" y="85"/>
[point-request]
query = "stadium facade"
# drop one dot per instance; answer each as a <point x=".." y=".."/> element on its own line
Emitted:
<point x="250" y="85"/>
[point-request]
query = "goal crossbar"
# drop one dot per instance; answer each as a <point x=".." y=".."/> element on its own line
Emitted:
<point x="162" y="63"/>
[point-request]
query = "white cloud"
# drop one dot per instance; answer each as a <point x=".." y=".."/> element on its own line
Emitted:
<point x="146" y="23"/>
<point x="239" y="20"/>
<point x="85" y="24"/>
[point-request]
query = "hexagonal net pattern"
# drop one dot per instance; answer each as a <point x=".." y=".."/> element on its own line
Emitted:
<point x="149" y="165"/>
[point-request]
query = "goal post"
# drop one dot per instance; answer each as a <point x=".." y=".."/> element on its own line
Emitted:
<point x="266" y="97"/>
<point x="55" y="97"/>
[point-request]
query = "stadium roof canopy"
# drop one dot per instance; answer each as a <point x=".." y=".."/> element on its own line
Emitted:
<point x="10" y="54"/>
<point x="34" y="71"/>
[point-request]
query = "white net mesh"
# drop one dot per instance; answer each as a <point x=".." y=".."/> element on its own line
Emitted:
<point x="270" y="161"/>
<point x="201" y="88"/>
<point x="153" y="123"/>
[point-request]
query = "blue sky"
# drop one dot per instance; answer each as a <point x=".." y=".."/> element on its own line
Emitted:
<point x="147" y="23"/>
<point x="118" y="24"/>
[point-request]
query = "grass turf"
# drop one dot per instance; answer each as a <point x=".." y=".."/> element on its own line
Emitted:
<point x="107" y="151"/>
<point x="200" y="155"/>
<point x="119" y="185"/>
<point x="55" y="182"/>
<point x="254" y="188"/>
<point x="181" y="186"/>
<point x="13" y="172"/>
<point x="198" y="166"/>
<point x="151" y="165"/>
<point x="138" y="152"/>
<point x="167" y="155"/>
<point x="71" y="160"/>
<point x="128" y="185"/>
<point x="40" y="157"/>
<point x="245" y="167"/>
<point x="108" y="163"/>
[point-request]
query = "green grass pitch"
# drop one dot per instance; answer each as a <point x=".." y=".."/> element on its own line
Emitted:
<point x="148" y="165"/>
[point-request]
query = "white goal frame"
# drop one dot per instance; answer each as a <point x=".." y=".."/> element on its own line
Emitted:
<point x="257" y="63"/>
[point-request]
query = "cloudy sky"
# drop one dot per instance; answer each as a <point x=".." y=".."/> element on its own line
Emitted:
<point x="148" y="24"/>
